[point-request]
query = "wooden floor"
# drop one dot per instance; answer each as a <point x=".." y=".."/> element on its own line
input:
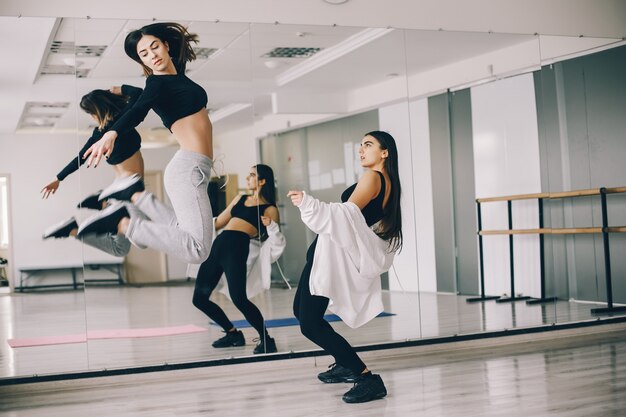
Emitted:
<point x="46" y="313"/>
<point x="569" y="373"/>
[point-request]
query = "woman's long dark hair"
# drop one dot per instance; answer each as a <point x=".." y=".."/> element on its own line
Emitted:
<point x="177" y="38"/>
<point x="390" y="227"/>
<point x="104" y="105"/>
<point x="268" y="191"/>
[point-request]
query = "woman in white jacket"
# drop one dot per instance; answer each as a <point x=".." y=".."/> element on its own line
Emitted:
<point x="356" y="242"/>
<point x="245" y="218"/>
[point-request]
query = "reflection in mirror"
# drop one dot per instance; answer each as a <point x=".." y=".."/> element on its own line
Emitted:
<point x="582" y="145"/>
<point x="154" y="297"/>
<point x="42" y="308"/>
<point x="475" y="129"/>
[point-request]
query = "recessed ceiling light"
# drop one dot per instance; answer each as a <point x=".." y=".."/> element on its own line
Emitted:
<point x="336" y="1"/>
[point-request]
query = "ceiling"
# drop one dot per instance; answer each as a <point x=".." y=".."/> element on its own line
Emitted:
<point x="241" y="80"/>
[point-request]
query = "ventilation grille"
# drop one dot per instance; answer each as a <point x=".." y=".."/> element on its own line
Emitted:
<point x="291" y="52"/>
<point x="204" y="53"/>
<point x="64" y="47"/>
<point x="42" y="115"/>
<point x="49" y="69"/>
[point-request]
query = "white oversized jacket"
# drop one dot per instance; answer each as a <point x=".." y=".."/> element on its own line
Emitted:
<point x="260" y="259"/>
<point x="349" y="259"/>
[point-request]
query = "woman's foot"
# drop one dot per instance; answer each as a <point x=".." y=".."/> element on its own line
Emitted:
<point x="92" y="202"/>
<point x="265" y="345"/>
<point x="66" y="228"/>
<point x="106" y="221"/>
<point x="123" y="189"/>
<point x="232" y="338"/>
<point x="337" y="373"/>
<point x="367" y="387"/>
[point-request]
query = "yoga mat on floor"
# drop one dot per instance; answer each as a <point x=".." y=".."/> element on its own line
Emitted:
<point x="292" y="321"/>
<point x="105" y="334"/>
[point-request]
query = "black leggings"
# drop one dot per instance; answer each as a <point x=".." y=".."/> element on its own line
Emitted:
<point x="229" y="254"/>
<point x="309" y="310"/>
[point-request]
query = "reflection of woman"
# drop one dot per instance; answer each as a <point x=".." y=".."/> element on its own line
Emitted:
<point x="246" y="217"/>
<point x="126" y="160"/>
<point x="345" y="261"/>
<point x="163" y="50"/>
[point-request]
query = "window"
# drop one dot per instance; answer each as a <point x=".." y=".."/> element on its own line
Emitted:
<point x="4" y="213"/>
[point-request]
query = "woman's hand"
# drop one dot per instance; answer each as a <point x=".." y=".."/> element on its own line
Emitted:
<point x="101" y="148"/>
<point x="116" y="90"/>
<point x="50" y="189"/>
<point x="296" y="197"/>
<point x="266" y="221"/>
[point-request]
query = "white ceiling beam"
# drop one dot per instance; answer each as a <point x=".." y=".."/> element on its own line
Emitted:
<point x="596" y="18"/>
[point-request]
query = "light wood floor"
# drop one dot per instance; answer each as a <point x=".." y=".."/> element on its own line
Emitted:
<point x="49" y="313"/>
<point x="569" y="373"/>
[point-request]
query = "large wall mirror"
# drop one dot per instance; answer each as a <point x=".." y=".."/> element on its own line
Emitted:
<point x="469" y="112"/>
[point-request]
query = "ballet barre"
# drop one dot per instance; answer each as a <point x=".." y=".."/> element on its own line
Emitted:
<point x="541" y="231"/>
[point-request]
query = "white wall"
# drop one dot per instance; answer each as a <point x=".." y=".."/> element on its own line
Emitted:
<point x="234" y="152"/>
<point x="395" y="120"/>
<point x="506" y="161"/>
<point x="423" y="196"/>
<point x="33" y="161"/>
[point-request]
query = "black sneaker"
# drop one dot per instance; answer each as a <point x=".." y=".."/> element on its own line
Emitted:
<point x="105" y="221"/>
<point x="61" y="229"/>
<point x="123" y="189"/>
<point x="91" y="202"/>
<point x="265" y="345"/>
<point x="337" y="373"/>
<point x="366" y="388"/>
<point x="230" y="340"/>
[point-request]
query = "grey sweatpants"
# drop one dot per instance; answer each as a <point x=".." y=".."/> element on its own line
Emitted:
<point x="185" y="229"/>
<point x="116" y="245"/>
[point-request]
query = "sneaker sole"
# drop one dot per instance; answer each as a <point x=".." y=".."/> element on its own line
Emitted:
<point x="121" y="185"/>
<point x="336" y="380"/>
<point x="55" y="229"/>
<point x="231" y="345"/>
<point x="358" y="401"/>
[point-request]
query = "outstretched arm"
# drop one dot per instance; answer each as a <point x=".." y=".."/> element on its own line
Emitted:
<point x="225" y="216"/>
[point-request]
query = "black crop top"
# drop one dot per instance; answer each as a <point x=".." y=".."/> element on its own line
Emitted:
<point x="373" y="211"/>
<point x="127" y="144"/>
<point x="251" y="214"/>
<point x="172" y="97"/>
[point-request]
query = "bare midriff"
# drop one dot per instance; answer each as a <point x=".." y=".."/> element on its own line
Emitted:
<point x="240" y="225"/>
<point x="132" y="165"/>
<point x="195" y="133"/>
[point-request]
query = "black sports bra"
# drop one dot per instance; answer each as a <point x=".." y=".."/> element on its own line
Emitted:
<point x="373" y="211"/>
<point x="251" y="214"/>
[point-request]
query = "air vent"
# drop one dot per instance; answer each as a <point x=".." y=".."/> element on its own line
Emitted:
<point x="62" y="47"/>
<point x="291" y="52"/>
<point x="64" y="70"/>
<point x="204" y="53"/>
<point x="42" y="114"/>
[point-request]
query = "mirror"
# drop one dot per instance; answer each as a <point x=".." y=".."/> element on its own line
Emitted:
<point x="43" y="312"/>
<point x="299" y="98"/>
<point x="581" y="125"/>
